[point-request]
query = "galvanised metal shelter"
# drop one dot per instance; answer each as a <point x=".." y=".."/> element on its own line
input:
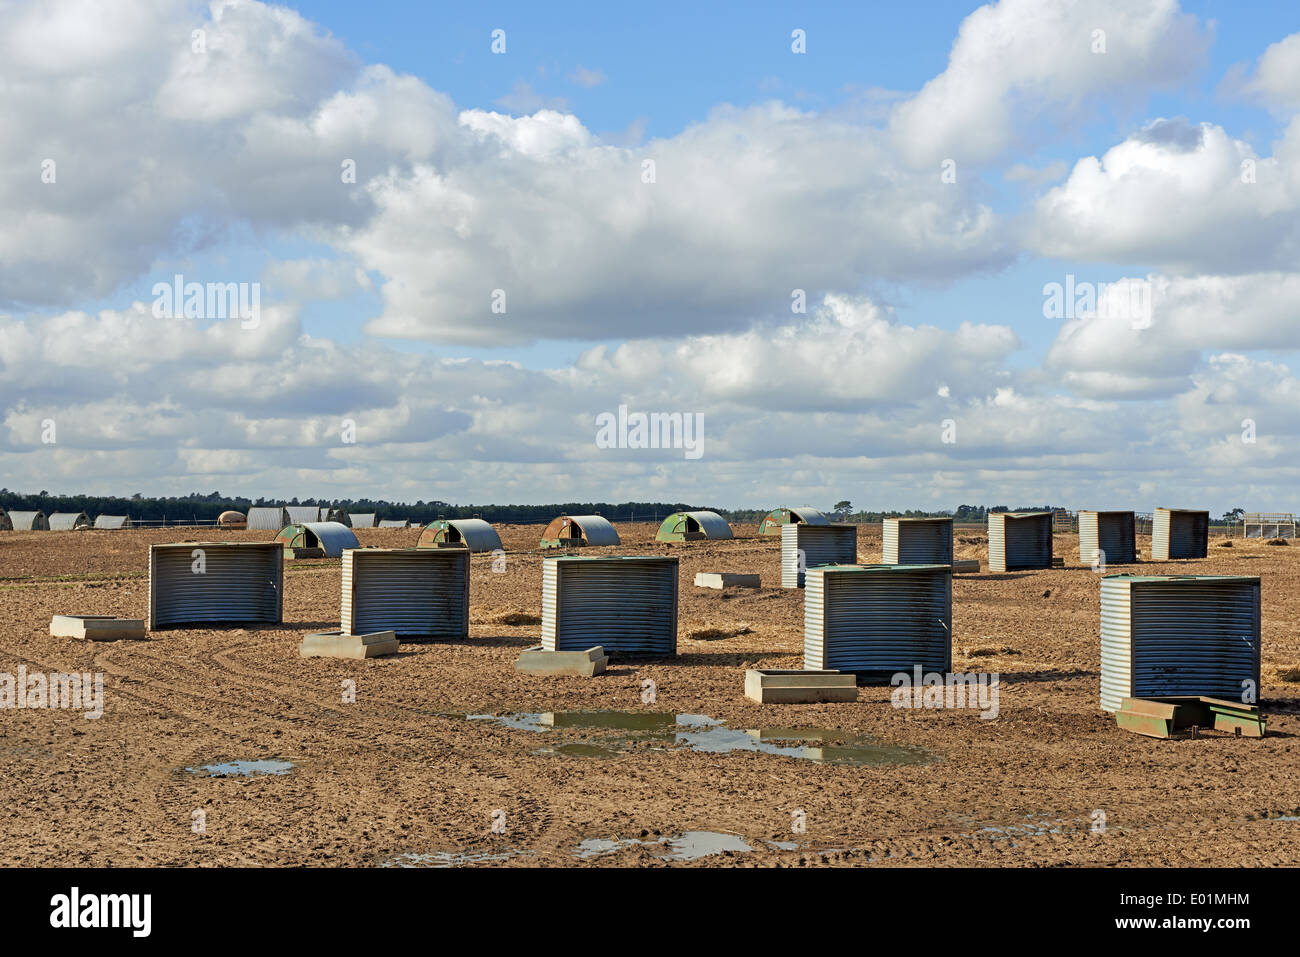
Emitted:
<point x="67" y="521"/>
<point x="574" y="531"/>
<point x="394" y="523"/>
<point x="917" y="541"/>
<point x="233" y="519"/>
<point x="363" y="520"/>
<point x="415" y="592"/>
<point x="773" y="520"/>
<point x="1020" y="540"/>
<point x="1172" y="635"/>
<point x="1109" y="535"/>
<point x="5" y="524"/>
<point x="29" y="522"/>
<point x="693" y="526"/>
<point x="1268" y="525"/>
<point x="805" y="546"/>
<point x="301" y="514"/>
<point x="330" y="537"/>
<point x="215" y="582"/>
<point x="878" y="620"/>
<point x="627" y="604"/>
<point x="1179" y="533"/>
<point x="269" y="519"/>
<point x="474" y="532"/>
<point x="112" y="521"/>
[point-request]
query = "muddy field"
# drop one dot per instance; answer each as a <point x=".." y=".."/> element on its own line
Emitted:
<point x="403" y="775"/>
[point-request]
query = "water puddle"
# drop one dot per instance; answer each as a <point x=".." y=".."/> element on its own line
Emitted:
<point x="240" y="769"/>
<point x="687" y="846"/>
<point x="439" y="859"/>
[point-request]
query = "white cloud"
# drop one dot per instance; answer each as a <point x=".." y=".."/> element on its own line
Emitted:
<point x="1276" y="79"/>
<point x="587" y="78"/>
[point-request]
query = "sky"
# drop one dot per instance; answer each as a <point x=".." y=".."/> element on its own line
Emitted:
<point x="912" y="256"/>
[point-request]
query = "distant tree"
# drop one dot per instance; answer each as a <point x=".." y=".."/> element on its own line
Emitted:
<point x="844" y="509"/>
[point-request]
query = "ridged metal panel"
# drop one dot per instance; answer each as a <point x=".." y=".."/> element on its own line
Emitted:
<point x="302" y="514"/>
<point x="1112" y="533"/>
<point x="1020" y="540"/>
<point x="268" y="519"/>
<point x="112" y="521"/>
<point x="67" y="521"/>
<point x="821" y="545"/>
<point x="1178" y="635"/>
<point x="625" y="604"/>
<point x="473" y="532"/>
<point x="29" y="521"/>
<point x="363" y="520"/>
<point x="878" y="619"/>
<point x="594" y="530"/>
<point x="394" y="523"/>
<point x="711" y="525"/>
<point x="917" y="541"/>
<point x="331" y="537"/>
<point x="1179" y="533"/>
<point x="241" y="582"/>
<point x="415" y="592"/>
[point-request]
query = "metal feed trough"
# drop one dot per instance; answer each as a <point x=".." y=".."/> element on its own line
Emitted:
<point x="415" y="592"/>
<point x="878" y="620"/>
<point x="1179" y="635"/>
<point x="816" y="545"/>
<point x="1179" y="533"/>
<point x="627" y="604"/>
<point x="1112" y="534"/>
<point x="215" y="582"/>
<point x="917" y="541"/>
<point x="1019" y="540"/>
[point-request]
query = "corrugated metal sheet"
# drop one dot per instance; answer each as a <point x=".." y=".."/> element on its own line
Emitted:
<point x="1178" y="635"/>
<point x="1179" y="533"/>
<point x="474" y="532"/>
<point x="268" y="519"/>
<point x="302" y="514"/>
<point x="878" y="619"/>
<point x="579" y="530"/>
<point x="29" y="521"/>
<point x="363" y="520"/>
<point x="783" y="515"/>
<point x="1020" y="540"/>
<point x="1111" y="533"/>
<point x="415" y="592"/>
<point x="689" y="526"/>
<point x="394" y="523"/>
<point x="917" y="541"/>
<point x="112" y="521"/>
<point x="626" y="604"/>
<point x="331" y="537"/>
<point x="67" y="521"/>
<point x="240" y="582"/>
<point x="820" y="544"/>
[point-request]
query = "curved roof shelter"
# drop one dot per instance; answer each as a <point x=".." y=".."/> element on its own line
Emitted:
<point x="301" y="514"/>
<point x="67" y="521"/>
<point x="571" y="531"/>
<point x="394" y="523"/>
<point x="29" y="522"/>
<point x="330" y="537"/>
<point x="474" y="532"/>
<point x="362" y="520"/>
<point x="112" y="521"/>
<point x="268" y="518"/>
<point x="773" y="520"/>
<point x="5" y="524"/>
<point x="232" y="519"/>
<point x="693" y="526"/>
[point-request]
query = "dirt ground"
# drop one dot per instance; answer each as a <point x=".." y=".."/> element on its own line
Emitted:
<point x="401" y="776"/>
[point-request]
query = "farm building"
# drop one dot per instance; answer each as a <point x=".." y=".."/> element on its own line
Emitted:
<point x="1167" y="635"/>
<point x="805" y="546"/>
<point x="474" y="532"/>
<point x="5" y="524"/>
<point x="394" y="523"/>
<point x="1020" y="540"/>
<point x="1107" y="537"/>
<point x="232" y="519"/>
<point x="625" y="604"/>
<point x="693" y="526"/>
<point x="363" y="520"/>
<point x="571" y="531"/>
<point x="67" y="521"/>
<point x="299" y="514"/>
<point x="415" y="592"/>
<point x="29" y="522"/>
<point x="773" y="520"/>
<point x="240" y="582"/>
<point x="1179" y="533"/>
<point x="917" y="541"/>
<point x="270" y="519"/>
<point x="112" y="521"/>
<point x="1268" y="525"/>
<point x="878" y="620"/>
<point x="329" y="538"/>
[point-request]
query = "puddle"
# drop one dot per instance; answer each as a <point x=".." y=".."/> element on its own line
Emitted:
<point x="701" y="733"/>
<point x="239" y="769"/>
<point x="453" y="858"/>
<point x="783" y="845"/>
<point x="687" y="846"/>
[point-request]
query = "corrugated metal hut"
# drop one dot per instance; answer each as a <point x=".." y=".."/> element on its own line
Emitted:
<point x="917" y="541"/>
<point x="67" y="521"/>
<point x="269" y="519"/>
<point x="339" y="515"/>
<point x="112" y="521"/>
<point x="415" y="592"/>
<point x="805" y="546"/>
<point x="773" y="520"/>
<point x="1020" y="540"/>
<point x="29" y="522"/>
<point x="5" y="524"/>
<point x="208" y="582"/>
<point x="693" y="526"/>
<point x="573" y="531"/>
<point x="330" y="537"/>
<point x="474" y="532"/>
<point x="1179" y="533"/>
<point x="627" y="604"/>
<point x="363" y="520"/>
<point x="1112" y="534"/>
<point x="394" y="523"/>
<point x="1170" y="635"/>
<point x="301" y="514"/>
<point x="878" y="620"/>
<point x="232" y="519"/>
